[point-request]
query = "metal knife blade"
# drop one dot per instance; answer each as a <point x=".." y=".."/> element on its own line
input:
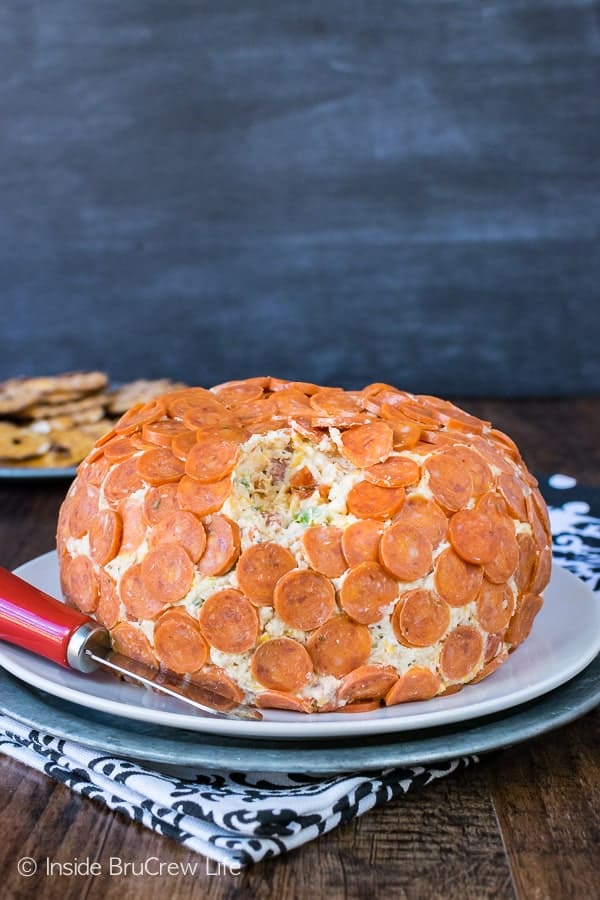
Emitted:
<point x="185" y="692"/>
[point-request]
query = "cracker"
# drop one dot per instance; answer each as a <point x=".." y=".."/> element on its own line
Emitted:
<point x="16" y="395"/>
<point x="17" y="443"/>
<point x="71" y="408"/>
<point x="77" y="383"/>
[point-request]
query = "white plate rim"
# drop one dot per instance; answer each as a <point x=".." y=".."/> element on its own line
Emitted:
<point x="287" y="725"/>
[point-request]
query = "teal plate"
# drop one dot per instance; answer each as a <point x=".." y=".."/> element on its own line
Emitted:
<point x="24" y="474"/>
<point x="158" y="744"/>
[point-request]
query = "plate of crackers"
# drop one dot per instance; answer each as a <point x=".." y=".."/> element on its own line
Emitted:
<point x="49" y="423"/>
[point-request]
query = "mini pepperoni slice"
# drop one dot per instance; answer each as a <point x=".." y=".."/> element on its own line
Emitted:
<point x="360" y="706"/>
<point x="183" y="443"/>
<point x="221" y="432"/>
<point x="119" y="448"/>
<point x="202" y="499"/>
<point x="229" y="622"/>
<point x="260" y="567"/>
<point x="460" y="653"/>
<point x="105" y="438"/>
<point x="495" y="606"/>
<point x="542" y="571"/>
<point x="457" y="581"/>
<point x="521" y="623"/>
<point x="304" y="599"/>
<point x="232" y="393"/>
<point x="370" y="501"/>
<point x="323" y="547"/>
<point x="140" y="444"/>
<point x="492" y="454"/>
<point x="167" y="573"/>
<point x="451" y="689"/>
<point x="339" y="646"/>
<point x="456" y="474"/>
<point x="291" y="402"/>
<point x="182" y="528"/>
<point x="527" y="561"/>
<point x="122" y="480"/>
<point x="281" y="700"/>
<point x="211" y="459"/>
<point x="490" y="667"/>
<point x="179" y="402"/>
<point x="282" y="664"/>
<point x="79" y="583"/>
<point x="333" y="401"/>
<point x="396" y="471"/>
<point x="279" y="384"/>
<point x="539" y="504"/>
<point x="514" y="493"/>
<point x="493" y="505"/>
<point x="420" y="618"/>
<point x="83" y="506"/>
<point x="62" y="528"/>
<point x="265" y="426"/>
<point x="506" y="557"/>
<point x="406" y="432"/>
<point x="159" y="466"/>
<point x="493" y="642"/>
<point x="213" y="687"/>
<point x="95" y="471"/>
<point x="537" y="514"/>
<point x="134" y="525"/>
<point x="138" y="604"/>
<point x="419" y="413"/>
<point x="450" y="482"/>
<point x="367" y="683"/>
<point x="417" y="683"/>
<point x="131" y="641"/>
<point x="405" y="552"/>
<point x="366" y="591"/>
<point x="303" y="426"/>
<point x="139" y="414"/>
<point x="179" y="643"/>
<point x="222" y="546"/>
<point x="506" y="442"/>
<point x="160" y="502"/>
<point x="105" y="536"/>
<point x="366" y="445"/>
<point x="360" y="541"/>
<point x="204" y="409"/>
<point x="163" y="431"/>
<point x="474" y="536"/>
<point x="108" y="610"/>
<point x="426" y="516"/>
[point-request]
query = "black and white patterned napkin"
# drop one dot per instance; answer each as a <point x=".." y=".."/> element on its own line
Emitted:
<point x="240" y="818"/>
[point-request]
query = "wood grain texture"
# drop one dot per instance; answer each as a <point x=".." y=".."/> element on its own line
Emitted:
<point x="311" y="191"/>
<point x="522" y="824"/>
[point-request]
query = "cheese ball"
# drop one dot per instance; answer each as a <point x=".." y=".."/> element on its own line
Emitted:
<point x="307" y="548"/>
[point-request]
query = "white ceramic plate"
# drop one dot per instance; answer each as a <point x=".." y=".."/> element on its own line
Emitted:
<point x="564" y="639"/>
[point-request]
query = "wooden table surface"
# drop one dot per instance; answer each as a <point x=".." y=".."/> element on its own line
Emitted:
<point x="523" y="823"/>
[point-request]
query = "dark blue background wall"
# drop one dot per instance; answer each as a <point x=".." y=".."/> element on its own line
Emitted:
<point x="338" y="191"/>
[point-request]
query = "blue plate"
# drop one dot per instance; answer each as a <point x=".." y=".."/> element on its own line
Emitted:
<point x="152" y="743"/>
<point x="22" y="472"/>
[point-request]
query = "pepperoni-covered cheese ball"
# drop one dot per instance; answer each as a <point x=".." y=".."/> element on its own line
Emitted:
<point x="307" y="548"/>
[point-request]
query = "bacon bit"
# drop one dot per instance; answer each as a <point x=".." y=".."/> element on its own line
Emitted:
<point x="277" y="470"/>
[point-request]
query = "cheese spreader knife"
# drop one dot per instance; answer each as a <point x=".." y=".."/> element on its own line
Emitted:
<point x="35" y="621"/>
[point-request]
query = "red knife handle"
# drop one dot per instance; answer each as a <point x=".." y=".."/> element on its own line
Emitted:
<point x="35" y="621"/>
